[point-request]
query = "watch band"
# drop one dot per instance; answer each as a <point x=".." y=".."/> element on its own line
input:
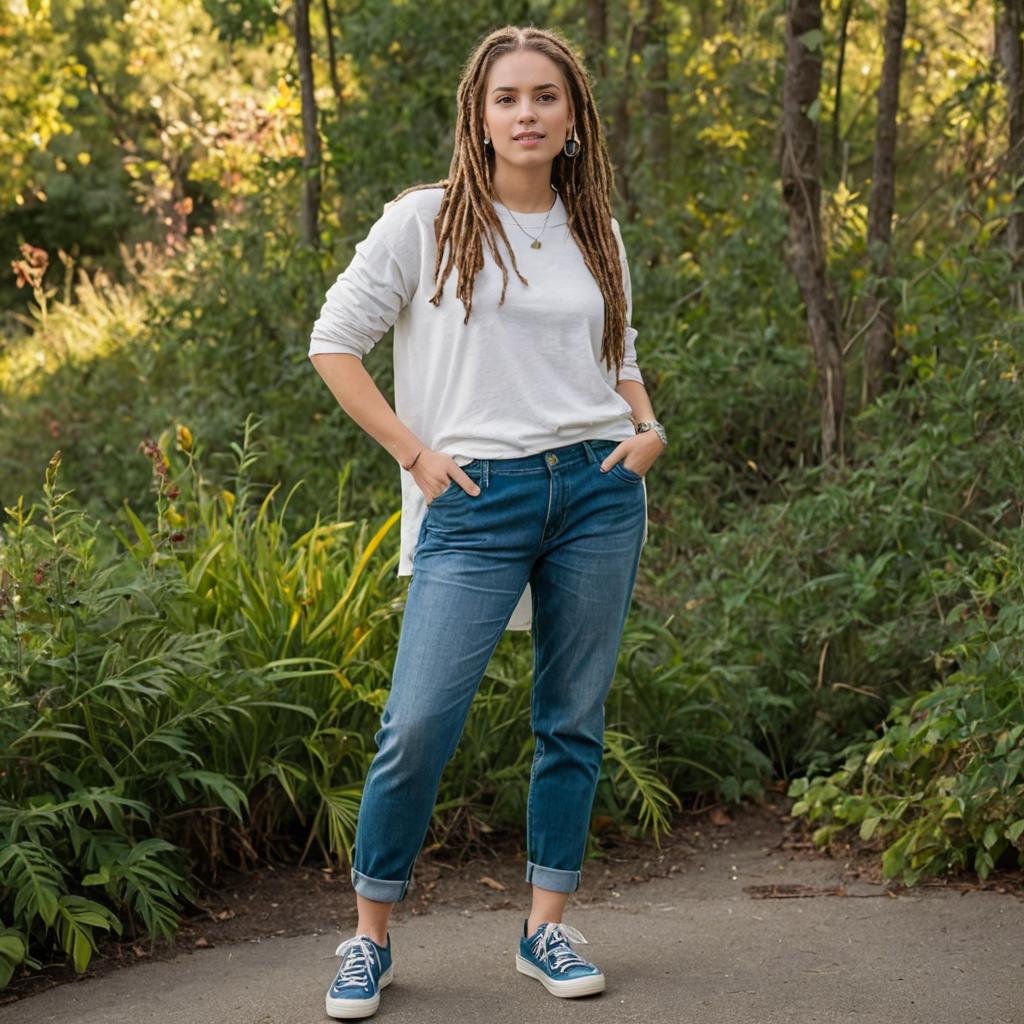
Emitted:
<point x="656" y="427"/>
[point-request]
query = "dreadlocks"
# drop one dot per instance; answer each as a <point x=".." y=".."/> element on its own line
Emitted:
<point x="466" y="220"/>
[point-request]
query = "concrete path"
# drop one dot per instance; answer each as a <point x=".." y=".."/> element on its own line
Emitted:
<point x="700" y="946"/>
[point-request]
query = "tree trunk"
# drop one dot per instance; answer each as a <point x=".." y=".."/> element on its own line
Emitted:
<point x="1008" y="32"/>
<point x="879" y="361"/>
<point x="801" y="191"/>
<point x="844" y="21"/>
<point x="659" y="128"/>
<point x="597" y="38"/>
<point x="619" y="140"/>
<point x="332" y="55"/>
<point x="310" y="231"/>
<point x="706" y="26"/>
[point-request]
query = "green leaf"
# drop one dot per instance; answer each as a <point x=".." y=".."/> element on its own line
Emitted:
<point x="824" y="834"/>
<point x="146" y="545"/>
<point x="230" y="795"/>
<point x="991" y="836"/>
<point x="812" y="39"/>
<point x="877" y="752"/>
<point x="983" y="864"/>
<point x="868" y="826"/>
<point x="35" y="878"/>
<point x="101" y="877"/>
<point x="13" y="949"/>
<point x="77" y="917"/>
<point x="894" y="857"/>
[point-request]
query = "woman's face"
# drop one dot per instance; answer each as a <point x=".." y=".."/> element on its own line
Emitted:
<point x="526" y="93"/>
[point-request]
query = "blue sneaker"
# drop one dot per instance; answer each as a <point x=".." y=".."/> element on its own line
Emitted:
<point x="547" y="956"/>
<point x="364" y="970"/>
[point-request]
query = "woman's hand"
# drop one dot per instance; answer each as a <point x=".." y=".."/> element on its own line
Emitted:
<point x="434" y="473"/>
<point x="636" y="453"/>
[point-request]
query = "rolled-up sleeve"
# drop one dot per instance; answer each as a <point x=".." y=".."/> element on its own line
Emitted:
<point x="370" y="293"/>
<point x="630" y="370"/>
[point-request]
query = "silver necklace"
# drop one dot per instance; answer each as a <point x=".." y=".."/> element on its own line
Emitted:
<point x="535" y="244"/>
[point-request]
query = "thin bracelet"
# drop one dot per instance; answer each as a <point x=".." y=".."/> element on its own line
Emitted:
<point x="413" y="463"/>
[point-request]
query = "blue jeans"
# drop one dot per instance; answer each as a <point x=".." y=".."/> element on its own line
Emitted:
<point x="554" y="520"/>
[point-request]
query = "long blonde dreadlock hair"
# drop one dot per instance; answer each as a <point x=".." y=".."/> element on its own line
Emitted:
<point x="466" y="219"/>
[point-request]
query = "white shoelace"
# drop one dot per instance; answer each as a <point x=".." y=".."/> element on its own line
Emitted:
<point x="358" y="953"/>
<point x="559" y="954"/>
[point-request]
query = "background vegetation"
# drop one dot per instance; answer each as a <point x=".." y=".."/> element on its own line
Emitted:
<point x="198" y="600"/>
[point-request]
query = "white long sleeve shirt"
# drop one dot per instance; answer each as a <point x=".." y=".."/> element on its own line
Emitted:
<point x="518" y="379"/>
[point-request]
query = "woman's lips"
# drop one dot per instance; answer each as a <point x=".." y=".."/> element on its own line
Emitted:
<point x="530" y="141"/>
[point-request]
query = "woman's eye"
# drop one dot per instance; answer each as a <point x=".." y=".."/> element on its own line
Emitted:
<point x="545" y="96"/>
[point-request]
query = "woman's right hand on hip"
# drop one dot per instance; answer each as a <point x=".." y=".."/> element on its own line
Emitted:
<point x="435" y="472"/>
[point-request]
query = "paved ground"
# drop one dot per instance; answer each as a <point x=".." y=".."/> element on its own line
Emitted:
<point x="703" y="946"/>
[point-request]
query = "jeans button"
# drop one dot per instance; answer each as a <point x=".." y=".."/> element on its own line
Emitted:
<point x="552" y="459"/>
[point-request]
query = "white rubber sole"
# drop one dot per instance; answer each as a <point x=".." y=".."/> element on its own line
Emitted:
<point x="351" y="1009"/>
<point x="570" y="988"/>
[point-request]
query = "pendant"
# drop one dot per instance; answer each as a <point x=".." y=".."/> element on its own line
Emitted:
<point x="536" y="244"/>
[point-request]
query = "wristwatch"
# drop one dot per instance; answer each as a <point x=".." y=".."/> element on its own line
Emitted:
<point x="656" y="427"/>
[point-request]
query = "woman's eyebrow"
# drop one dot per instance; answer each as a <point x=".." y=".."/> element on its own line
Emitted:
<point x="512" y="88"/>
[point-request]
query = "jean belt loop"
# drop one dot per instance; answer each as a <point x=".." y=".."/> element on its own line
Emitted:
<point x="591" y="457"/>
<point x="485" y="472"/>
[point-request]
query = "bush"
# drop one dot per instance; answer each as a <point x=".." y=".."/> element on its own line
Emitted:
<point x="177" y="704"/>
<point x="943" y="788"/>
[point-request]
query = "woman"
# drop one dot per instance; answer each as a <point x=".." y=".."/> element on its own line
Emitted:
<point x="523" y="432"/>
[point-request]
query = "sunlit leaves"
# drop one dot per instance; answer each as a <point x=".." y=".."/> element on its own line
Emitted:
<point x="36" y="76"/>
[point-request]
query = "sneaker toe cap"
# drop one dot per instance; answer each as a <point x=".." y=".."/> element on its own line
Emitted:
<point x="581" y="971"/>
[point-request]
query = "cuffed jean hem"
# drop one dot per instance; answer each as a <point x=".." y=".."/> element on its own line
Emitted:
<point x="379" y="889"/>
<point x="552" y="878"/>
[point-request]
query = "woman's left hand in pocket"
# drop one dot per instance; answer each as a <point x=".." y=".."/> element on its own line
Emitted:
<point x="636" y="453"/>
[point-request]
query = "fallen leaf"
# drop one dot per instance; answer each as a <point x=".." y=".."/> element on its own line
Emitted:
<point x="719" y="817"/>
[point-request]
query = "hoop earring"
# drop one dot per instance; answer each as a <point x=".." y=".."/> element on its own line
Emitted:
<point x="571" y="146"/>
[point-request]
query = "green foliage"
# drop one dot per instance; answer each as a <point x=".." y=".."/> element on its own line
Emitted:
<point x="203" y="339"/>
<point x="246" y="20"/>
<point x="34" y="79"/>
<point x="942" y="788"/>
<point x="168" y="709"/>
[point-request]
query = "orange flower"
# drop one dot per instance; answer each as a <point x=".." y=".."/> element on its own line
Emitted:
<point x="29" y="270"/>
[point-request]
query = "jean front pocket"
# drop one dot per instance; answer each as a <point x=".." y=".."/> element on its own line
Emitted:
<point x="454" y="491"/>
<point x="624" y="473"/>
<point x="602" y="449"/>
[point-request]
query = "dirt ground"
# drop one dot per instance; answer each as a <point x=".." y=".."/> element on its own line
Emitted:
<point x="281" y="900"/>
